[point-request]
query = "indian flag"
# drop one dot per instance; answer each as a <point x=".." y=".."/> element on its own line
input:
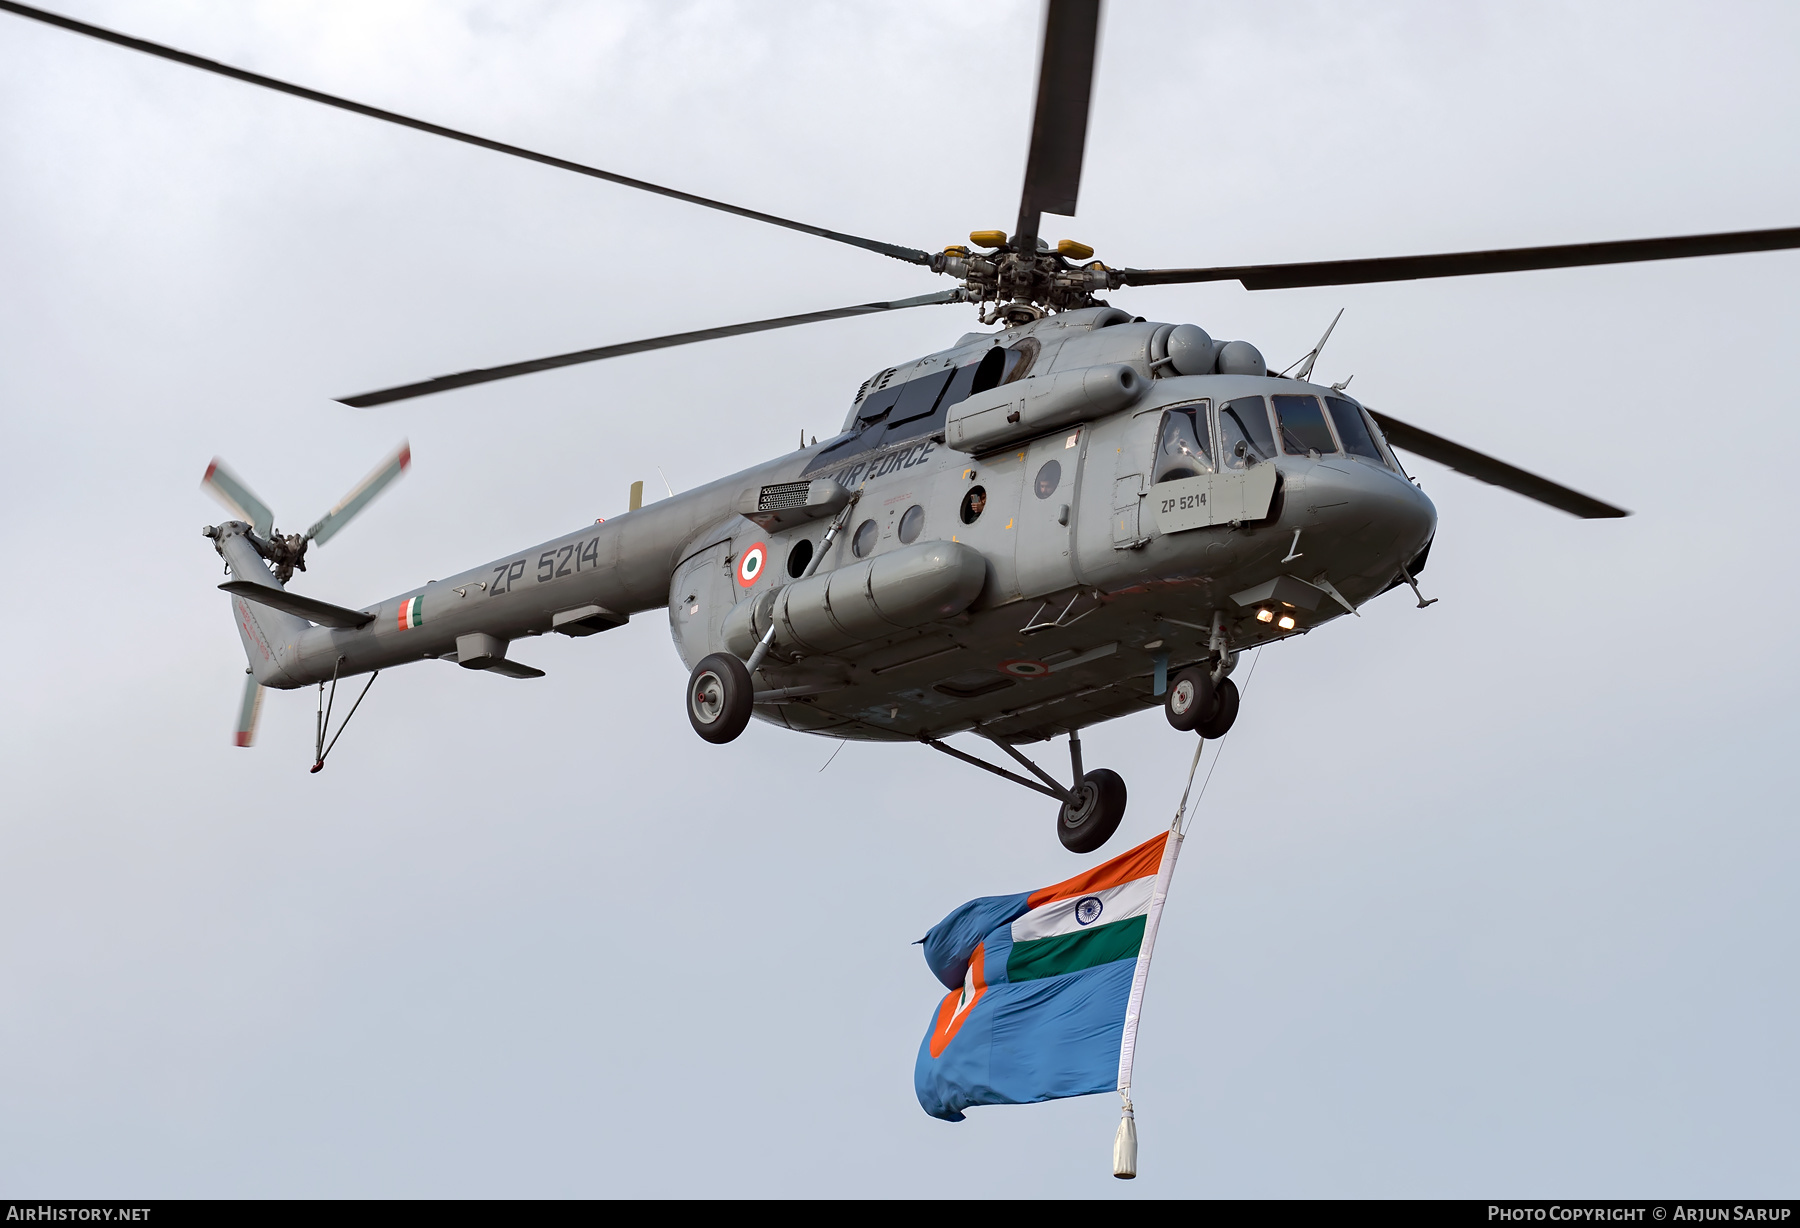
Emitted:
<point x="1040" y="986"/>
<point x="412" y="612"/>
<point x="1089" y="920"/>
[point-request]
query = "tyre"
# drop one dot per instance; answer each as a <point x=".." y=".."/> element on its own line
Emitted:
<point x="1099" y="805"/>
<point x="719" y="695"/>
<point x="1224" y="713"/>
<point x="1189" y="698"/>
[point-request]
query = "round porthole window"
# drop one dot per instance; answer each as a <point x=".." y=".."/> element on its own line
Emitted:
<point x="974" y="503"/>
<point x="799" y="557"/>
<point x="1047" y="479"/>
<point x="864" y="541"/>
<point x="911" y="523"/>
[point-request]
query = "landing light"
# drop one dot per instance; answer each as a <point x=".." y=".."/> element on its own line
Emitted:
<point x="1265" y="616"/>
<point x="1285" y="622"/>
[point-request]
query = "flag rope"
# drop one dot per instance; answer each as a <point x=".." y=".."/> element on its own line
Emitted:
<point x="1125" y="1142"/>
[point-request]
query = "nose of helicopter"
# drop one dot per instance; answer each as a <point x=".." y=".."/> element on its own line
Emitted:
<point x="1371" y="520"/>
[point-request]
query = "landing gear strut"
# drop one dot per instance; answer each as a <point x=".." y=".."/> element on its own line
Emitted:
<point x="1090" y="811"/>
<point x="1203" y="699"/>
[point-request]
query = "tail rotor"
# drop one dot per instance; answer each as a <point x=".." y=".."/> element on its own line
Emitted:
<point x="286" y="553"/>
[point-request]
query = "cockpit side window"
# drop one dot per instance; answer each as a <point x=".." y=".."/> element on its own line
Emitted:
<point x="1184" y="448"/>
<point x="1245" y="422"/>
<point x="1303" y="426"/>
<point x="1351" y="428"/>
<point x="1387" y="449"/>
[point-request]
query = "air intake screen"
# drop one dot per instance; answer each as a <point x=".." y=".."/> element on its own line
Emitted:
<point x="782" y="496"/>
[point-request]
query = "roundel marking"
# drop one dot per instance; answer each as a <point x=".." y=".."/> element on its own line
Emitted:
<point x="750" y="566"/>
<point x="1024" y="669"/>
<point x="1088" y="910"/>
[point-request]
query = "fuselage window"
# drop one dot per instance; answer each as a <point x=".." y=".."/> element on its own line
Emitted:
<point x="1303" y="428"/>
<point x="974" y="503"/>
<point x="799" y="557"/>
<point x="1184" y="450"/>
<point x="864" y="541"/>
<point x="1352" y="430"/>
<point x="1245" y="422"/>
<point x="911" y="523"/>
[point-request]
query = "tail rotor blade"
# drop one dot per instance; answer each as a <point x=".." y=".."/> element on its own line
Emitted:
<point x="353" y="503"/>
<point x="248" y="711"/>
<point x="225" y="486"/>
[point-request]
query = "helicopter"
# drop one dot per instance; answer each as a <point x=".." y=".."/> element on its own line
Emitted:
<point x="1068" y="515"/>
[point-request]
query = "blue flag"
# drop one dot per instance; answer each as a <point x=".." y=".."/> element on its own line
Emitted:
<point x="1040" y="985"/>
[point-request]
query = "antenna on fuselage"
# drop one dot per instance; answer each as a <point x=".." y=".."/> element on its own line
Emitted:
<point x="1305" y="363"/>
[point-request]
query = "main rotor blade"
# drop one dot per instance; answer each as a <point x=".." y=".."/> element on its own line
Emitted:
<point x="1059" y="126"/>
<point x="1465" y="264"/>
<point x="228" y="488"/>
<point x="463" y="379"/>
<point x="353" y="503"/>
<point x="1485" y="468"/>
<point x="908" y="254"/>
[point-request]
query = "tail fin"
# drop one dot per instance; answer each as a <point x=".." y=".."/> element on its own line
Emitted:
<point x="264" y="630"/>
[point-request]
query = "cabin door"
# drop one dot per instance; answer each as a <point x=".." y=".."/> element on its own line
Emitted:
<point x="1051" y="473"/>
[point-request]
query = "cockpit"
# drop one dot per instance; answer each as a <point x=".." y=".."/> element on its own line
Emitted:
<point x="1252" y="429"/>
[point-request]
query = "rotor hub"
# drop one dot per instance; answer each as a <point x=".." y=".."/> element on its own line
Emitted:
<point x="1044" y="277"/>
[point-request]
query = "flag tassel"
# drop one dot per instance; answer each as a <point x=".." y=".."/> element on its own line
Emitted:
<point x="1125" y="1144"/>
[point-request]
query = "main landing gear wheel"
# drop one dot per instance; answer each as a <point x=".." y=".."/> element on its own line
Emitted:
<point x="1093" y="817"/>
<point x="1189" y="698"/>
<point x="1224" y="713"/>
<point x="719" y="696"/>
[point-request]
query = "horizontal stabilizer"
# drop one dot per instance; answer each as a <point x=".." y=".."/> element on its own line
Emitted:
<point x="512" y="669"/>
<point x="321" y="612"/>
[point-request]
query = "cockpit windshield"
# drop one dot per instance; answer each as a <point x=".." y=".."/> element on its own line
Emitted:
<point x="1303" y="428"/>
<point x="1244" y="435"/>
<point x="1184" y="449"/>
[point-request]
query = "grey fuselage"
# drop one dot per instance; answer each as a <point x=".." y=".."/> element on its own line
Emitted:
<point x="1095" y="583"/>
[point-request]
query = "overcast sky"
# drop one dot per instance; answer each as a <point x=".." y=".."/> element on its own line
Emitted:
<point x="1491" y="899"/>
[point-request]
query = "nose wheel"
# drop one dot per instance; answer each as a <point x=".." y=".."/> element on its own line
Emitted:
<point x="1189" y="699"/>
<point x="1194" y="702"/>
<point x="1224" y="714"/>
<point x="719" y="697"/>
